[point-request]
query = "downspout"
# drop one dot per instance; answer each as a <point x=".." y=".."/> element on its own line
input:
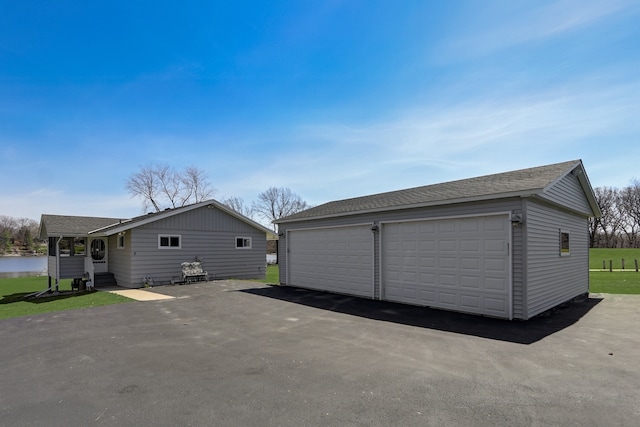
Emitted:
<point x="58" y="262"/>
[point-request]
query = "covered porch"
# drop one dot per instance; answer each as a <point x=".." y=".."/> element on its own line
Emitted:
<point x="76" y="252"/>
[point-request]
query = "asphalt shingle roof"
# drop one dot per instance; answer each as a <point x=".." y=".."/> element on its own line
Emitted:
<point x="55" y="225"/>
<point x="497" y="185"/>
<point x="74" y="225"/>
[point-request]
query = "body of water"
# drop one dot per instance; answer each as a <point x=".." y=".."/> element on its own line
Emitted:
<point x="17" y="266"/>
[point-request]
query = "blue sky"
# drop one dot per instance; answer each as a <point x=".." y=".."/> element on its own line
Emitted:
<point x="333" y="99"/>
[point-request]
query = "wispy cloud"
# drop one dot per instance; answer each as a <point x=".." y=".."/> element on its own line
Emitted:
<point x="421" y="146"/>
<point x="488" y="29"/>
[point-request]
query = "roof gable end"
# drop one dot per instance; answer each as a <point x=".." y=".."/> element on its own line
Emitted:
<point x="167" y="213"/>
<point x="522" y="183"/>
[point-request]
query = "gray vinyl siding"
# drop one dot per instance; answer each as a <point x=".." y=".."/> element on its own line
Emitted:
<point x="553" y="279"/>
<point x="207" y="234"/>
<point x="70" y="266"/>
<point x="569" y="193"/>
<point x="376" y="266"/>
<point x="51" y="266"/>
<point x="517" y="272"/>
<point x="120" y="260"/>
<point x="462" y="209"/>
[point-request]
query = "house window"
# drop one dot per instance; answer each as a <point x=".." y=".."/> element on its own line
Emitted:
<point x="564" y="243"/>
<point x="120" y="240"/>
<point x="166" y="241"/>
<point x="243" y="242"/>
<point x="79" y="247"/>
<point x="66" y="246"/>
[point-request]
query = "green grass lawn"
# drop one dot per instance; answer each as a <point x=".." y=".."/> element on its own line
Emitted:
<point x="273" y="274"/>
<point x="13" y="291"/>
<point x="615" y="282"/>
<point x="596" y="256"/>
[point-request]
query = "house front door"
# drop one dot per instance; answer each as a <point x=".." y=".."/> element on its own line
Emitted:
<point x="98" y="253"/>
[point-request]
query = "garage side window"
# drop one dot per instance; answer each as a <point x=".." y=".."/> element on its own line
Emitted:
<point x="565" y="247"/>
<point x="166" y="241"/>
<point x="243" y="242"/>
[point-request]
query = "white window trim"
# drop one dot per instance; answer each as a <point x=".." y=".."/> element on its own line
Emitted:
<point x="243" y="240"/>
<point x="169" y="236"/>
<point x="568" y="252"/>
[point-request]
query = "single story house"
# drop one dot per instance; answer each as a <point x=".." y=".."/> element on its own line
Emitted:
<point x="510" y="245"/>
<point x="150" y="248"/>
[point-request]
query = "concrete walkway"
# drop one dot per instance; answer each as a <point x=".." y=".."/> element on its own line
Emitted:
<point x="140" y="294"/>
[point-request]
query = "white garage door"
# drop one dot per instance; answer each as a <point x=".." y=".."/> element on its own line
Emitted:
<point x="337" y="259"/>
<point x="460" y="264"/>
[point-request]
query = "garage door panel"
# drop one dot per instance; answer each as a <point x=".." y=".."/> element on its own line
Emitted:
<point x="470" y="282"/>
<point x="427" y="262"/>
<point x="447" y="280"/>
<point x="496" y="305"/>
<point x="470" y="245"/>
<point x="426" y="227"/>
<point x="470" y="301"/>
<point x="447" y="245"/>
<point x="447" y="262"/>
<point x="449" y="299"/>
<point x="468" y="272"/>
<point x="495" y="265"/>
<point x="427" y="296"/>
<point x="495" y="245"/>
<point x="338" y="259"/>
<point x="495" y="223"/>
<point x="446" y="227"/>
<point x="427" y="278"/>
<point x="495" y="284"/>
<point x="469" y="263"/>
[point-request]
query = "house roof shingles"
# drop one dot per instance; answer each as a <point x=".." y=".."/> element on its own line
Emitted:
<point x="531" y="180"/>
<point x="55" y="225"/>
<point x="74" y="225"/>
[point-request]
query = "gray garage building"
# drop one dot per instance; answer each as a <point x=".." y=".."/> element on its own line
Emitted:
<point x="510" y="245"/>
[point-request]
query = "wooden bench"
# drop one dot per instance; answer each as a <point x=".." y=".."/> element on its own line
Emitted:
<point x="192" y="272"/>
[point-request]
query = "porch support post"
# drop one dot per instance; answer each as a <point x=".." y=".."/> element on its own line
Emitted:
<point x="58" y="262"/>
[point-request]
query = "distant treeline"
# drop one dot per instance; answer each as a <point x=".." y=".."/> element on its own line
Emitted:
<point x="18" y="235"/>
<point x="619" y="225"/>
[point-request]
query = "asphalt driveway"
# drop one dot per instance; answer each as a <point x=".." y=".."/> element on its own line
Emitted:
<point x="242" y="353"/>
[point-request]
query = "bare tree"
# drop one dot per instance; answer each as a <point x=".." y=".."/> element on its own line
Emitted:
<point x="159" y="186"/>
<point x="630" y="209"/>
<point x="237" y="204"/>
<point x="195" y="181"/>
<point x="608" y="225"/>
<point x="276" y="203"/>
<point x="145" y="184"/>
<point x="170" y="184"/>
<point x="8" y="223"/>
